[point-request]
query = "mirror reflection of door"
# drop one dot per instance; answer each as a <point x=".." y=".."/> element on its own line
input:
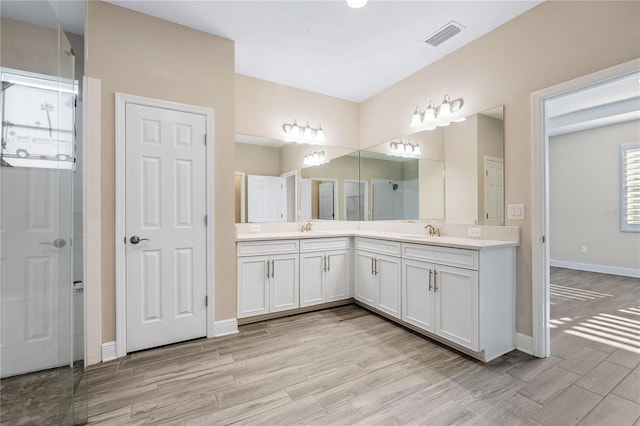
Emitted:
<point x="493" y="191"/>
<point x="318" y="199"/>
<point x="325" y="201"/>
<point x="267" y="199"/>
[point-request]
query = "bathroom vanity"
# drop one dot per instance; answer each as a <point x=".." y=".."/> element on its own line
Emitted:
<point x="459" y="291"/>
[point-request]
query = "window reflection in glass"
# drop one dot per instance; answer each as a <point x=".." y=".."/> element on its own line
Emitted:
<point x="37" y="121"/>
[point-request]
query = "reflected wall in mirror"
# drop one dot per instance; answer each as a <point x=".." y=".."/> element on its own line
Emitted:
<point x="272" y="183"/>
<point x="457" y="177"/>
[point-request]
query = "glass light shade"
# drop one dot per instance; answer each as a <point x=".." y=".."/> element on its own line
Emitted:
<point x="307" y="131"/>
<point x="445" y="108"/>
<point x="416" y="118"/>
<point x="356" y="4"/>
<point x="430" y="112"/>
<point x="295" y="129"/>
<point x="320" y="133"/>
<point x="416" y="150"/>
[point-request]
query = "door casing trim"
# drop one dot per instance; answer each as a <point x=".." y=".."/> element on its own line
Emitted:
<point x="121" y="100"/>
<point x="540" y="195"/>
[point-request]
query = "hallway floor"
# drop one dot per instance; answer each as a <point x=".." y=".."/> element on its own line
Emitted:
<point x="347" y="366"/>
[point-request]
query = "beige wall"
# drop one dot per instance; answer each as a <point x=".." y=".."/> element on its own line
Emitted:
<point x="552" y="43"/>
<point x="141" y="55"/>
<point x="262" y="107"/>
<point x="257" y="159"/>
<point x="584" y="197"/>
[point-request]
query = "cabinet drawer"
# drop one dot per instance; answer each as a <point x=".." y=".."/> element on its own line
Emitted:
<point x="392" y="248"/>
<point x="323" y="244"/>
<point x="256" y="248"/>
<point x="443" y="255"/>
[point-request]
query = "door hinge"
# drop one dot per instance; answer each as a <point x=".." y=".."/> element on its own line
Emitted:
<point x="281" y="215"/>
<point x="125" y="239"/>
<point x="206" y="301"/>
<point x="487" y="215"/>
<point x="206" y="219"/>
<point x="205" y="138"/>
<point x="542" y="239"/>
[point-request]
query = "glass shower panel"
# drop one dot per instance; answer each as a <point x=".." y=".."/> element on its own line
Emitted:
<point x="36" y="209"/>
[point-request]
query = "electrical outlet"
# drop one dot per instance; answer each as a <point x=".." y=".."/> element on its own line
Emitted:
<point x="474" y="232"/>
<point x="583" y="249"/>
<point x="254" y="228"/>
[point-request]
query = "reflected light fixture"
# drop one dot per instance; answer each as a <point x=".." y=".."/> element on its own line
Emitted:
<point x="297" y="133"/>
<point x="356" y="4"/>
<point x="402" y="148"/>
<point x="438" y="116"/>
<point x="315" y="158"/>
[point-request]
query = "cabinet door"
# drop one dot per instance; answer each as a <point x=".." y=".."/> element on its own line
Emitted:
<point x="457" y="305"/>
<point x="284" y="282"/>
<point x="312" y="267"/>
<point x="364" y="277"/>
<point x="253" y="286"/>
<point x="388" y="275"/>
<point x="337" y="276"/>
<point x="417" y="294"/>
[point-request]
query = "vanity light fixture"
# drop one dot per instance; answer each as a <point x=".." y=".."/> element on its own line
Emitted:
<point x="297" y="133"/>
<point x="315" y="158"/>
<point x="401" y="148"/>
<point x="356" y="4"/>
<point x="437" y="116"/>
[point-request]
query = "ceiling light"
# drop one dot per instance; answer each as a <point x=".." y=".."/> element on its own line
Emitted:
<point x="401" y="148"/>
<point x="438" y="116"/>
<point x="356" y="4"/>
<point x="296" y="133"/>
<point x="315" y="158"/>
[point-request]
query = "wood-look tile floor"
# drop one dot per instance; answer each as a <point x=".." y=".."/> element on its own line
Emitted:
<point x="347" y="366"/>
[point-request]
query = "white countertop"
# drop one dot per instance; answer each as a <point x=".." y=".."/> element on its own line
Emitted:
<point x="444" y="241"/>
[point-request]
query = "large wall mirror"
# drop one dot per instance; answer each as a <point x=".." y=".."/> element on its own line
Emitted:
<point x="452" y="174"/>
<point x="456" y="176"/>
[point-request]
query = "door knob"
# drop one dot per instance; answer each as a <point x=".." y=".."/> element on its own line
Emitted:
<point x="135" y="239"/>
<point x="57" y="243"/>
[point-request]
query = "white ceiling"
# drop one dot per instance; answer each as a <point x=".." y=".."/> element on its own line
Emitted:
<point x="325" y="46"/>
<point x="319" y="45"/>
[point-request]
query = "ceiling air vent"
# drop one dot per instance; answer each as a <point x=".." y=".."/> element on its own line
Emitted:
<point x="444" y="34"/>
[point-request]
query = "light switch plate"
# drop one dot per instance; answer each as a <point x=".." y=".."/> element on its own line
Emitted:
<point x="474" y="232"/>
<point x="515" y="211"/>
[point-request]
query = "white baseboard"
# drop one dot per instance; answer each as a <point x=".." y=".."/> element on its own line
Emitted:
<point x="225" y="327"/>
<point x="109" y="351"/>
<point x="603" y="269"/>
<point x="524" y="343"/>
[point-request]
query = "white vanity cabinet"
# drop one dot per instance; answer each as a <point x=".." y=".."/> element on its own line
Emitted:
<point x="324" y="270"/>
<point x="378" y="274"/>
<point x="268" y="277"/>
<point x="464" y="296"/>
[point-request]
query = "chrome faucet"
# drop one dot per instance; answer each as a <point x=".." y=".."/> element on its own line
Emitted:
<point x="306" y="227"/>
<point x="433" y="232"/>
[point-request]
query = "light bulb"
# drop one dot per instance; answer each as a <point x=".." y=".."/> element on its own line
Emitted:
<point x="356" y="4"/>
<point x="320" y="133"/>
<point x="430" y="112"/>
<point x="307" y="131"/>
<point x="445" y="108"/>
<point x="295" y="130"/>
<point x="416" y="118"/>
<point x="416" y="150"/>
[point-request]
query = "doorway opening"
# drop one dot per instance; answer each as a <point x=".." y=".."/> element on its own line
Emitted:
<point x="586" y="271"/>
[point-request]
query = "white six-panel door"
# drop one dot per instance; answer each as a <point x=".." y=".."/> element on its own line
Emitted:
<point x="165" y="209"/>
<point x="35" y="263"/>
<point x="493" y="192"/>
